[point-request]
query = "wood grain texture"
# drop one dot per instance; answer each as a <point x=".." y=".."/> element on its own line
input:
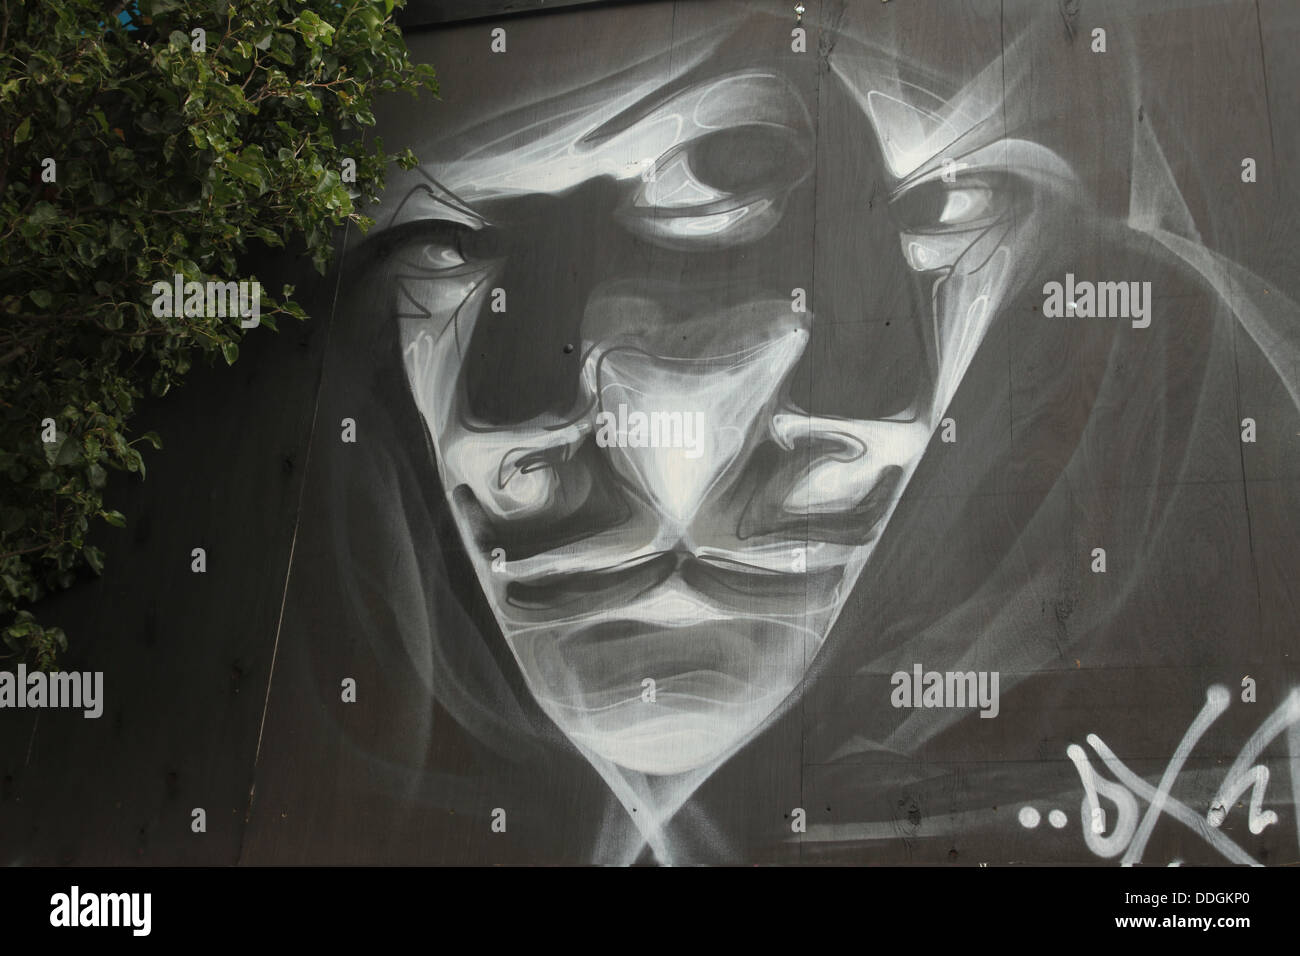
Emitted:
<point x="1072" y="435"/>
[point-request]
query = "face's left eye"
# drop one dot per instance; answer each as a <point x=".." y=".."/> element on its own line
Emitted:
<point x="972" y="202"/>
<point x="966" y="205"/>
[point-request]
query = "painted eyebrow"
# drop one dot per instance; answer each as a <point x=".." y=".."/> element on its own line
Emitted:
<point x="782" y="99"/>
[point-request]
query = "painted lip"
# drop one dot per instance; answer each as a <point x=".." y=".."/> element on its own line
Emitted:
<point x="667" y="578"/>
<point x="675" y="598"/>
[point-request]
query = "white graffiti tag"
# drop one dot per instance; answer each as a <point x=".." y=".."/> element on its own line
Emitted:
<point x="1130" y="834"/>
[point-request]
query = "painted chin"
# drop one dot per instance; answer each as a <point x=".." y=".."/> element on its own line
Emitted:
<point x="660" y="699"/>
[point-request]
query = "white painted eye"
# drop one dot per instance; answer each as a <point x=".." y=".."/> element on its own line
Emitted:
<point x="442" y="246"/>
<point x="436" y="255"/>
<point x="972" y="201"/>
<point x="725" y="188"/>
<point x="966" y="204"/>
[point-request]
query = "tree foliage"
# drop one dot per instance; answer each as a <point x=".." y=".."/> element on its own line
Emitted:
<point x="168" y="137"/>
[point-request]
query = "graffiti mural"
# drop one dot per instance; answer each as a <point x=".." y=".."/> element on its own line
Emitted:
<point x="860" y="437"/>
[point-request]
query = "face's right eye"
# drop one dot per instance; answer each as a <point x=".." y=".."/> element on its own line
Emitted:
<point x="434" y="256"/>
<point x="441" y="246"/>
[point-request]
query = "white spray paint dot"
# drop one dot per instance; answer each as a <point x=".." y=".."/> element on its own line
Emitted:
<point x="1029" y="817"/>
<point x="1057" y="818"/>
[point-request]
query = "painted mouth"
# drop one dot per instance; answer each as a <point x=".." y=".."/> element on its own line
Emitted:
<point x="667" y="591"/>
<point x="759" y="574"/>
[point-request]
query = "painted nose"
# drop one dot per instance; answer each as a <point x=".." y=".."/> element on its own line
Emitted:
<point x="672" y="427"/>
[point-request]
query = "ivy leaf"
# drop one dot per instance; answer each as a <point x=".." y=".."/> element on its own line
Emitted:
<point x="162" y="157"/>
<point x="12" y="519"/>
<point x="43" y="213"/>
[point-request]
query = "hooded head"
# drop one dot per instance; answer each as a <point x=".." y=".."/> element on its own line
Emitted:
<point x="679" y="332"/>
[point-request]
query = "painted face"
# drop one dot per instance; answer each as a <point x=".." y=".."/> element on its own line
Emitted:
<point x="669" y="460"/>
